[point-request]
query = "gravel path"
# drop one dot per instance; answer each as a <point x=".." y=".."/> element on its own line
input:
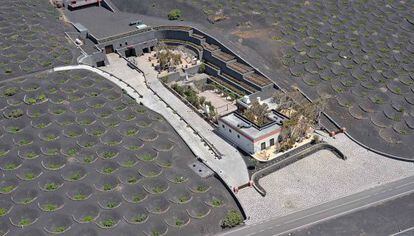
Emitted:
<point x="321" y="177"/>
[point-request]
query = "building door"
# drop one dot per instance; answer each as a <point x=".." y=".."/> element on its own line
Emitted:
<point x="263" y="146"/>
<point x="272" y="142"/>
<point x="100" y="63"/>
<point x="109" y="49"/>
<point x="146" y="50"/>
<point x="130" y="52"/>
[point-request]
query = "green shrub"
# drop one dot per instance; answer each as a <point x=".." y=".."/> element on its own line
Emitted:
<point x="108" y="223"/>
<point x="2" y="211"/>
<point x="232" y="219"/>
<point x="10" y="91"/>
<point x="87" y="219"/>
<point x="16" y="113"/>
<point x="49" y="207"/>
<point x="174" y="14"/>
<point x="139" y="218"/>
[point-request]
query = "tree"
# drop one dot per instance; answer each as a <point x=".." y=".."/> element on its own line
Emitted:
<point x="202" y="68"/>
<point x="257" y="113"/>
<point x="174" y="14"/>
<point x="232" y="219"/>
<point x="167" y="58"/>
<point x="202" y="100"/>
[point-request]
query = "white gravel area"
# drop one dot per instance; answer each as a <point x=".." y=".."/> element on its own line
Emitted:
<point x="319" y="178"/>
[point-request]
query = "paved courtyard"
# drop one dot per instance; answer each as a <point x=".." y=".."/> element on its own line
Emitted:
<point x="222" y="105"/>
<point x="320" y="178"/>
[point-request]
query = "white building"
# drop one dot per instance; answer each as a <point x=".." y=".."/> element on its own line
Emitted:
<point x="248" y="136"/>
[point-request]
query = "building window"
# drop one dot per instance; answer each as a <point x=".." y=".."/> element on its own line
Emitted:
<point x="272" y="142"/>
<point x="222" y="126"/>
<point x="120" y="44"/>
<point x="263" y="146"/>
<point x="126" y="43"/>
<point x="230" y="130"/>
<point x="238" y="136"/>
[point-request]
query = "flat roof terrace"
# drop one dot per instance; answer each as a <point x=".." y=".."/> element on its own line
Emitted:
<point x="247" y="128"/>
<point x="102" y="23"/>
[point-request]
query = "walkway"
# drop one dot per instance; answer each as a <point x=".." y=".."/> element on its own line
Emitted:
<point x="230" y="167"/>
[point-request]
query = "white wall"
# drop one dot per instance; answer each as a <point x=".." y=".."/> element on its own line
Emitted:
<point x="240" y="141"/>
<point x="257" y="145"/>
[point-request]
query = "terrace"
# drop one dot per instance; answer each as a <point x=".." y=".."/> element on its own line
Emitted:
<point x="242" y="84"/>
<point x="227" y="85"/>
<point x="241" y="68"/>
<point x="211" y="47"/>
<point x="258" y="79"/>
<point x="223" y="56"/>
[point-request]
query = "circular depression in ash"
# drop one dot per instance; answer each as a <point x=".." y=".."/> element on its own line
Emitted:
<point x="132" y="144"/>
<point x="107" y="167"/>
<point x="96" y="130"/>
<point x="51" y="202"/>
<point x="22" y="216"/>
<point x="14" y="126"/>
<point x="149" y="170"/>
<point x="41" y="122"/>
<point x="128" y="129"/>
<point x="134" y="194"/>
<point x="58" y="223"/>
<point x="80" y="191"/>
<point x="155" y="225"/>
<point x="87" y="141"/>
<point x="66" y="119"/>
<point x="106" y="183"/>
<point x="147" y="135"/>
<point x="72" y="131"/>
<point x="127" y="159"/>
<point x="74" y="172"/>
<point x="158" y="205"/>
<point x="108" y="219"/>
<point x="10" y="163"/>
<point x="155" y="185"/>
<point x="164" y="145"/>
<point x="8" y="185"/>
<point x="109" y="200"/>
<point x="85" y="213"/>
<point x="147" y="154"/>
<point x="87" y="156"/>
<point x="177" y="219"/>
<point x="136" y="215"/>
<point x="197" y="209"/>
<point x="29" y="172"/>
<point x="111" y="139"/>
<point x="50" y="183"/>
<point x="179" y="195"/>
<point x="129" y="176"/>
<point x="176" y="176"/>
<point x="54" y="163"/>
<point x="106" y="152"/>
<point x="6" y="206"/>
<point x="103" y="113"/>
